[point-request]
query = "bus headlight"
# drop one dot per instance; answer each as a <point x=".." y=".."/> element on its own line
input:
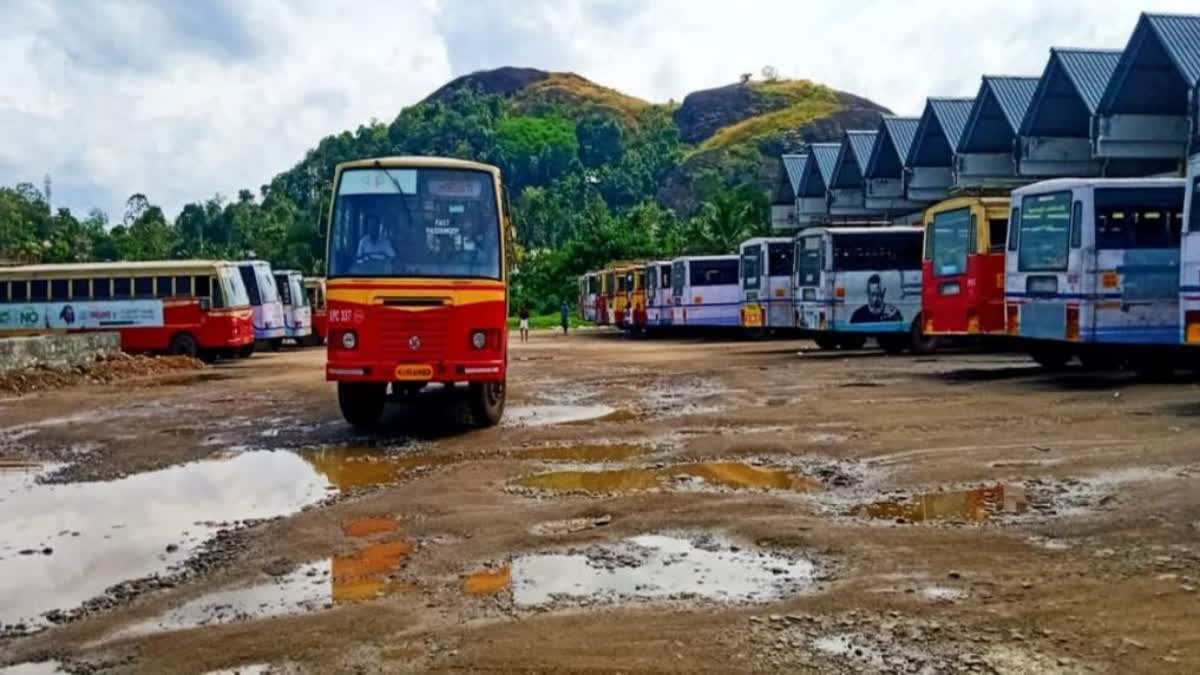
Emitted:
<point x="349" y="340"/>
<point x="478" y="339"/>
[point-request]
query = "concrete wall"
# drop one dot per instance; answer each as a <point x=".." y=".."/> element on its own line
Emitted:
<point x="56" y="351"/>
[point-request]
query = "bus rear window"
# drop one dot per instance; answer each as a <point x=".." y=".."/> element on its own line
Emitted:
<point x="250" y="281"/>
<point x="1045" y="232"/>
<point x="950" y="242"/>
<point x="779" y="259"/>
<point x="1138" y="218"/>
<point x="751" y="267"/>
<point x="808" y="261"/>
<point x="285" y="291"/>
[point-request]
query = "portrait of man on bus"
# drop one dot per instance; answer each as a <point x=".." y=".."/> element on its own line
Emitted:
<point x="876" y="310"/>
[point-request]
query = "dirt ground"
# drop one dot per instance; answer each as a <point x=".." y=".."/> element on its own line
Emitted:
<point x="647" y="505"/>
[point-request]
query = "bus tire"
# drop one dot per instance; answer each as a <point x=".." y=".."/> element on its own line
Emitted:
<point x="276" y="344"/>
<point x="826" y="342"/>
<point x="209" y="355"/>
<point x="919" y="342"/>
<point x="852" y="342"/>
<point x="1050" y="358"/>
<point x="183" y="344"/>
<point x="361" y="403"/>
<point x="486" y="401"/>
<point x="246" y="352"/>
<point x="893" y="344"/>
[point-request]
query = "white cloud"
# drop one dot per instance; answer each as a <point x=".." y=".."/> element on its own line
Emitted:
<point x="183" y="99"/>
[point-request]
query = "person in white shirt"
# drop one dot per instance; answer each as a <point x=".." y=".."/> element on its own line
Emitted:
<point x="374" y="247"/>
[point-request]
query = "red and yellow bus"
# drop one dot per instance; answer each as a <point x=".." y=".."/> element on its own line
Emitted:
<point x="189" y="307"/>
<point x="962" y="289"/>
<point x="416" y="284"/>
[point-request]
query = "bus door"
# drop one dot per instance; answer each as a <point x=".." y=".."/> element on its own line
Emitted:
<point x="813" y="290"/>
<point x="1189" y="283"/>
<point x="1137" y="264"/>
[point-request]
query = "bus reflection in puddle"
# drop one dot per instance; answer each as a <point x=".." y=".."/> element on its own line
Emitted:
<point x="975" y="505"/>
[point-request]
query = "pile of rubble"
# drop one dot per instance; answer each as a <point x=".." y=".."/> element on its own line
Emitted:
<point x="105" y="368"/>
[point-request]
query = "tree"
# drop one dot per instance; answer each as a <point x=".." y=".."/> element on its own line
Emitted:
<point x="600" y="140"/>
<point x="770" y="73"/>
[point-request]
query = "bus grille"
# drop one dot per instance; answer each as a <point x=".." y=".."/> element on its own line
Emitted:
<point x="397" y="328"/>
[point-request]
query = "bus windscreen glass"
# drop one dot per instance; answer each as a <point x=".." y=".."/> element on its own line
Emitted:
<point x="434" y="223"/>
<point x="1045" y="232"/>
<point x="951" y="242"/>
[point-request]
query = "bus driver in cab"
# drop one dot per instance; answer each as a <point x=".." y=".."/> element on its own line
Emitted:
<point x="374" y="247"/>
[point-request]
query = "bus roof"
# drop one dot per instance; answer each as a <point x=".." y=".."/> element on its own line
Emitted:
<point x="288" y="272"/>
<point x="890" y="229"/>
<point x="954" y="203"/>
<point x="1059" y="184"/>
<point x="135" y="267"/>
<point x="417" y="162"/>
<point x="313" y="281"/>
<point x="765" y="240"/>
<point x="690" y="258"/>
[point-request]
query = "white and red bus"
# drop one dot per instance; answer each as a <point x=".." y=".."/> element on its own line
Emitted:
<point x="189" y="307"/>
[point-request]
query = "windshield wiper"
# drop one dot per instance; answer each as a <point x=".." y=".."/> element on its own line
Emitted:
<point x="400" y="191"/>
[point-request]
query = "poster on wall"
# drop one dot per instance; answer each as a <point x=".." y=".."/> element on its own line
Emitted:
<point x="81" y="315"/>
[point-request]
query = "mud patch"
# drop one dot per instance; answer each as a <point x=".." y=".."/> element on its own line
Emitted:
<point x="569" y="526"/>
<point x="588" y="453"/>
<point x="658" y="567"/>
<point x="369" y="526"/>
<point x="680" y="397"/>
<point x="730" y="475"/>
<point x="975" y="505"/>
<point x="353" y="468"/>
<point x="357" y="577"/>
<point x="64" y="544"/>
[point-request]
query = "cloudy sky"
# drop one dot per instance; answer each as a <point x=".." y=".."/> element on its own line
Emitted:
<point x="182" y="99"/>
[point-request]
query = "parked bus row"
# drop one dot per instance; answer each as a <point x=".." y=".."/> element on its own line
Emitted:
<point x="1098" y="269"/>
<point x="208" y="309"/>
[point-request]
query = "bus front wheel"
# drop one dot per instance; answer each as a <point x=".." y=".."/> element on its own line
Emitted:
<point x="246" y="351"/>
<point x="1050" y="358"/>
<point x="826" y="342"/>
<point x="486" y="401"/>
<point x="184" y="344"/>
<point x="852" y="342"/>
<point x="361" y="403"/>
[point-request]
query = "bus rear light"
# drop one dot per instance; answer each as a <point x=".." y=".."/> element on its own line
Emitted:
<point x="1000" y="280"/>
<point x="350" y="371"/>
<point x="972" y="322"/>
<point x="1012" y="319"/>
<point x="1110" y="279"/>
<point x="839" y="292"/>
<point x="1191" y="321"/>
<point x="928" y="326"/>
<point x="1072" y="329"/>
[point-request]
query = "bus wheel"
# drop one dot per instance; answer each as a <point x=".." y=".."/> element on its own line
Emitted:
<point x="1050" y="358"/>
<point x="852" y="342"/>
<point x="276" y="344"/>
<point x="361" y="403"/>
<point x="826" y="342"/>
<point x="183" y="344"/>
<point x="893" y="344"/>
<point x="486" y="400"/>
<point x="919" y="341"/>
<point x="246" y="352"/>
<point x="209" y="355"/>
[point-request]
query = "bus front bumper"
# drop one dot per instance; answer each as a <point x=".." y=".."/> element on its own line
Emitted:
<point x="438" y="371"/>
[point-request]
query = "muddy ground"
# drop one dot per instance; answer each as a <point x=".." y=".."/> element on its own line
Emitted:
<point x="645" y="506"/>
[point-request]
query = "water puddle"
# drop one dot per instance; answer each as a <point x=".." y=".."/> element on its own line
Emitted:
<point x="615" y="452"/>
<point x="488" y="581"/>
<point x="975" y="505"/>
<point x="681" y="476"/>
<point x="356" y="577"/>
<point x="658" y="567"/>
<point x="63" y="544"/>
<point x="350" y="468"/>
<point x="546" y="415"/>
<point x="369" y="526"/>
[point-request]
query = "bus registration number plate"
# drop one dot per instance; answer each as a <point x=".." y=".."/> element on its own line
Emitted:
<point x="413" y="372"/>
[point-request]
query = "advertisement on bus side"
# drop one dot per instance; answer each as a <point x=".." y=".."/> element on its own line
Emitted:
<point x="81" y="315"/>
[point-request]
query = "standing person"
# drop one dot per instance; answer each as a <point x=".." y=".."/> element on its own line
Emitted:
<point x="566" y="315"/>
<point x="523" y="315"/>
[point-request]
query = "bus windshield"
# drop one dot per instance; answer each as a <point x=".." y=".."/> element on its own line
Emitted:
<point x="233" y="291"/>
<point x="267" y="290"/>
<point x="808" y="260"/>
<point x="950" y="242"/>
<point x="779" y="260"/>
<point x="1045" y="232"/>
<point x="751" y="264"/>
<point x="415" y="222"/>
<point x="299" y="299"/>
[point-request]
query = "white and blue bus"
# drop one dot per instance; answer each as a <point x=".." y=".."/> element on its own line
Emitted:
<point x="704" y="290"/>
<point x="1189" y="264"/>
<point x="1093" y="267"/>
<point x="264" y="299"/>
<point x="765" y="280"/>
<point x="659" y="301"/>
<point x="852" y="283"/>
<point x="297" y="315"/>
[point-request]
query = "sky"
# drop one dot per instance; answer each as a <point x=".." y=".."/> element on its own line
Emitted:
<point x="184" y="99"/>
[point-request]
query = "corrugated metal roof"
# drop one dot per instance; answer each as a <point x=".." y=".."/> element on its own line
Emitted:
<point x="861" y="143"/>
<point x="809" y="174"/>
<point x="902" y="130"/>
<point x="1013" y="94"/>
<point x="826" y="157"/>
<point x="793" y="165"/>
<point x="1088" y="70"/>
<point x="1180" y="36"/>
<point x="952" y="115"/>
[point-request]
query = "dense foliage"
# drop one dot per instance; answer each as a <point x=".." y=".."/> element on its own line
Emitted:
<point x="581" y="193"/>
